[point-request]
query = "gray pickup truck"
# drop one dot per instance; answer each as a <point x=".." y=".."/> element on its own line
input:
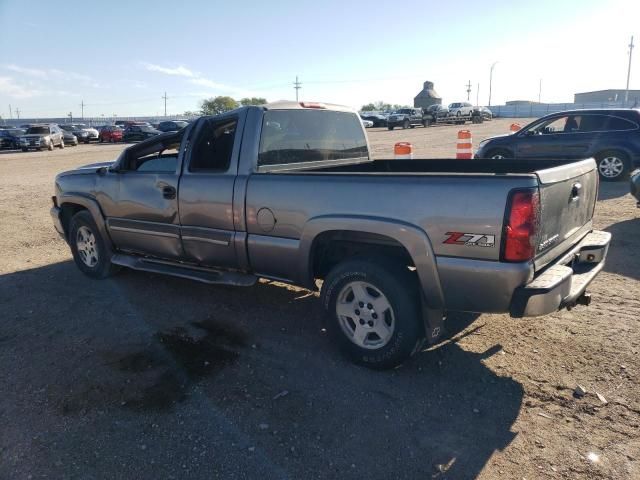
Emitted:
<point x="288" y="191"/>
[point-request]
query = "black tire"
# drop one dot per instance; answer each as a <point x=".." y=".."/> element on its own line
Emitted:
<point x="61" y="144"/>
<point x="406" y="124"/>
<point x="25" y="149"/>
<point x="399" y="286"/>
<point x="613" y="156"/>
<point x="103" y="267"/>
<point x="389" y="128"/>
<point x="499" y="154"/>
<point x="50" y="146"/>
<point x="458" y="113"/>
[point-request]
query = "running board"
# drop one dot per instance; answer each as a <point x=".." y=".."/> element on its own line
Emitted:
<point x="199" y="274"/>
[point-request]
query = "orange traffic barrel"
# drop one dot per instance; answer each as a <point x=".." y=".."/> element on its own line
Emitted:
<point x="403" y="150"/>
<point x="515" y="127"/>
<point x="464" y="147"/>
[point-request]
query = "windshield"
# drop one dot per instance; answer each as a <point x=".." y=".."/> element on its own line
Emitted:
<point x="145" y="128"/>
<point x="68" y="128"/>
<point x="403" y="110"/>
<point x="38" y="131"/>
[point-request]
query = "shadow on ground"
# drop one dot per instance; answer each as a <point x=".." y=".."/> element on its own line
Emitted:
<point x="250" y="373"/>
<point x="624" y="253"/>
<point x="610" y="190"/>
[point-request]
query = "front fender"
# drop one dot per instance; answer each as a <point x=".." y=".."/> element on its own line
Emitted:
<point x="93" y="207"/>
<point x="412" y="238"/>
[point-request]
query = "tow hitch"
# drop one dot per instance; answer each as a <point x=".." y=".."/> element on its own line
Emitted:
<point x="584" y="299"/>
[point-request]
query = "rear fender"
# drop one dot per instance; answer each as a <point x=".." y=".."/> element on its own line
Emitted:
<point x="413" y="239"/>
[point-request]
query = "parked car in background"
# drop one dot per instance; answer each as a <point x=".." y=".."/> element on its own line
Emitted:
<point x="484" y="112"/>
<point x="436" y="112"/>
<point x="378" y="119"/>
<point x="366" y="123"/>
<point x="69" y="138"/>
<point x="110" y="133"/>
<point x="406" y="117"/>
<point x="460" y="109"/>
<point x="634" y="184"/>
<point x="172" y="125"/>
<point x="81" y="131"/>
<point x="10" y="137"/>
<point x="42" y="136"/>
<point x="139" y="132"/>
<point x="611" y="136"/>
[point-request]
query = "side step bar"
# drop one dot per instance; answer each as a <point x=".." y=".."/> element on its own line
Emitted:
<point x="199" y="274"/>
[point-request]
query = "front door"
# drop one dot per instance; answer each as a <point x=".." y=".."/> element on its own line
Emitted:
<point x="559" y="137"/>
<point x="206" y="193"/>
<point x="143" y="217"/>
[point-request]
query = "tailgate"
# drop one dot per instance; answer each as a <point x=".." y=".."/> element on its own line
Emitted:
<point x="567" y="199"/>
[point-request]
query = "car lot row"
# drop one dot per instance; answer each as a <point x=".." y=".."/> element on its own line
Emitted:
<point x="39" y="136"/>
<point x="456" y="113"/>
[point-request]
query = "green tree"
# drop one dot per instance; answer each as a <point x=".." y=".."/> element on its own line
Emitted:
<point x="369" y="107"/>
<point x="218" y="105"/>
<point x="253" y="101"/>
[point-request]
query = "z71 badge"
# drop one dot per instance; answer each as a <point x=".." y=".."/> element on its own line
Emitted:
<point x="470" y="239"/>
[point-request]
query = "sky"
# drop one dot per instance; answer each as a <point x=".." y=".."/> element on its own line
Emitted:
<point x="119" y="58"/>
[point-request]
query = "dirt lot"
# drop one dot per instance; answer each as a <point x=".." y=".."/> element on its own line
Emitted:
<point x="142" y="376"/>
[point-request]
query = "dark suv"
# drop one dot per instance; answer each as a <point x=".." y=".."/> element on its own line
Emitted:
<point x="406" y="117"/>
<point x="611" y="136"/>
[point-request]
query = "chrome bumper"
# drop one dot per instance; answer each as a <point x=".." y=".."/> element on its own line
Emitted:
<point x="563" y="284"/>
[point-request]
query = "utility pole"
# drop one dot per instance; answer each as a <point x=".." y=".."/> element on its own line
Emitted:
<point x="626" y="94"/>
<point x="82" y="107"/>
<point x="70" y="115"/>
<point x="165" y="103"/>
<point x="540" y="91"/>
<point x="10" y="112"/>
<point x="468" y="85"/>
<point x="478" y="95"/>
<point x="18" y="113"/>
<point x="297" y="85"/>
<point x="490" y="81"/>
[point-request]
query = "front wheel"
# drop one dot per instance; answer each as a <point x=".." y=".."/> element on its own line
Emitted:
<point x="61" y="144"/>
<point x="50" y="146"/>
<point x="405" y="124"/>
<point x="374" y="311"/>
<point x="612" y="166"/>
<point x="88" y="248"/>
<point x="390" y="128"/>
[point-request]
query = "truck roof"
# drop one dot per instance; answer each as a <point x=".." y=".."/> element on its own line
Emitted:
<point x="293" y="105"/>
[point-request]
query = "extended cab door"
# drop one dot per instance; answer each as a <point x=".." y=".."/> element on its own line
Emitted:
<point x="140" y="199"/>
<point x="206" y="191"/>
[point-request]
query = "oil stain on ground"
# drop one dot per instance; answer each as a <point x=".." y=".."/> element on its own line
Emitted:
<point x="159" y="375"/>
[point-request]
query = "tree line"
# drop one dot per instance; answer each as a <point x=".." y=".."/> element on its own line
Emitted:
<point x="222" y="104"/>
<point x="381" y="106"/>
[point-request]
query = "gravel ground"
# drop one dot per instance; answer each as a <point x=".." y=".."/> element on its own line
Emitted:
<point x="143" y="376"/>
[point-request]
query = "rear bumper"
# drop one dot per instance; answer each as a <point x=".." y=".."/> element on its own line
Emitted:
<point x="564" y="283"/>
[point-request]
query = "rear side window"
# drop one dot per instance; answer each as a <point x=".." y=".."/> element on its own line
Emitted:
<point x="213" y="147"/>
<point x="617" y="123"/>
<point x="593" y="123"/>
<point x="299" y="136"/>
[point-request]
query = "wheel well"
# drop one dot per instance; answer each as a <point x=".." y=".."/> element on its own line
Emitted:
<point x="331" y="248"/>
<point x="68" y="210"/>
<point x="602" y="153"/>
<point x="494" y="150"/>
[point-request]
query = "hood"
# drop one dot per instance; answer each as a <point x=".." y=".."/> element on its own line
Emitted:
<point x="96" y="166"/>
<point x="495" y="137"/>
<point x="84" y="170"/>
<point x="90" y="129"/>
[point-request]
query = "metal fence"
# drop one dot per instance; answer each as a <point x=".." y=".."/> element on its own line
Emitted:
<point x="535" y="110"/>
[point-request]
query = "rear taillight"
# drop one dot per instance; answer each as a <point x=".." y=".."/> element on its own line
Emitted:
<point x="521" y="229"/>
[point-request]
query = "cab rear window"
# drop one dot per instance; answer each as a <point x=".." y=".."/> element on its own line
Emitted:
<point x="301" y="136"/>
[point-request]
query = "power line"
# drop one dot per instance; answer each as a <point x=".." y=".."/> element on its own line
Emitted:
<point x="297" y="85"/>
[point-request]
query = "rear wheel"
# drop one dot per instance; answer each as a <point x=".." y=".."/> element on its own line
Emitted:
<point x="88" y="248"/>
<point x="375" y="311"/>
<point x="612" y="166"/>
<point x="25" y="149"/>
<point x="390" y="128"/>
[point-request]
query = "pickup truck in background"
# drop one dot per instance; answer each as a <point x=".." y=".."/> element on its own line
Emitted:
<point x="288" y="191"/>
<point x="407" y="118"/>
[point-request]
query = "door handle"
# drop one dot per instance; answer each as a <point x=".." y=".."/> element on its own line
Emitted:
<point x="168" y="192"/>
<point x="575" y="191"/>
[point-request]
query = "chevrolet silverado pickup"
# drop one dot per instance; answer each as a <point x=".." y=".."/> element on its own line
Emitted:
<point x="288" y="191"/>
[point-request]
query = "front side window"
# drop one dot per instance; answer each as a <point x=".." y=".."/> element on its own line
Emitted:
<point x="213" y="147"/>
<point x="563" y="124"/>
<point x="299" y="136"/>
<point x="156" y="157"/>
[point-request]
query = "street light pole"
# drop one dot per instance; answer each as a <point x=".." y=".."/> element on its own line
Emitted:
<point x="490" y="81"/>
